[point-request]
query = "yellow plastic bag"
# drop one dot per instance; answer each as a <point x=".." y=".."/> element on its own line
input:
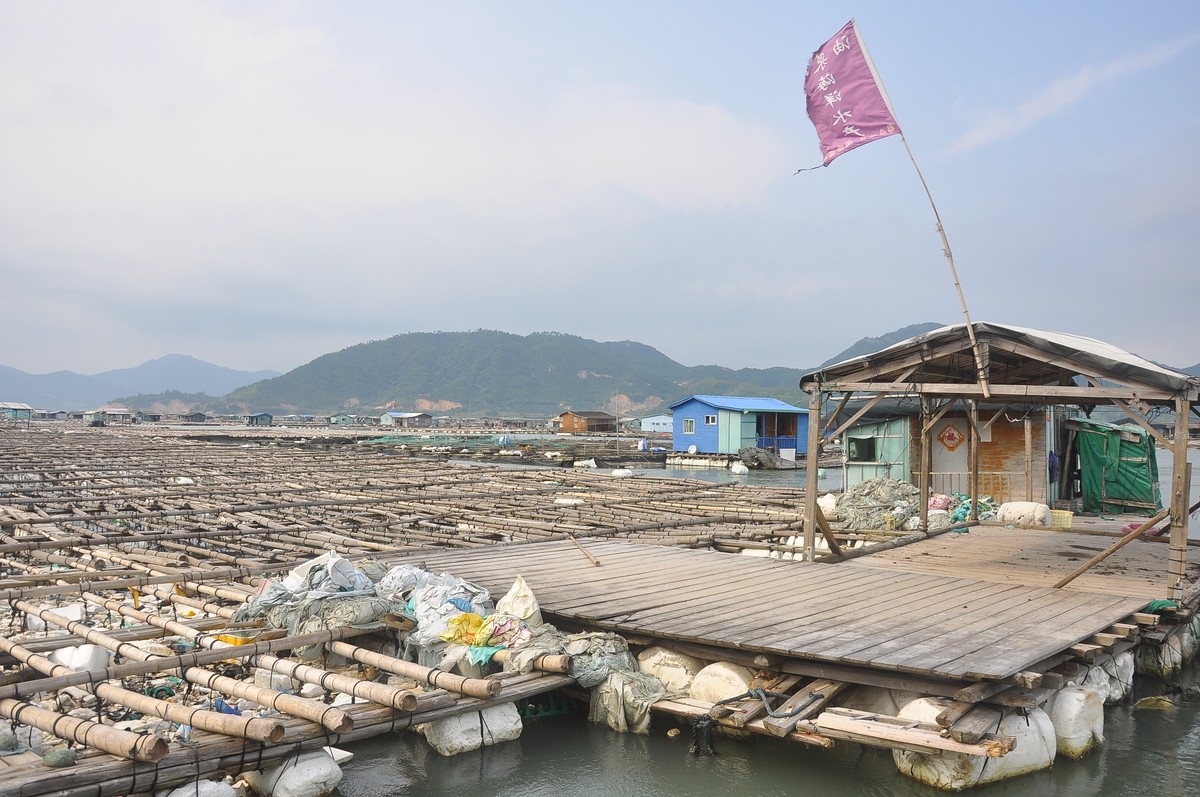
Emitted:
<point x="462" y="628"/>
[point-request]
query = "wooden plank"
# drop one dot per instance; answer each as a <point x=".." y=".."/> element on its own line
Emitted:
<point x="979" y="641"/>
<point x="919" y="620"/>
<point x="976" y="724"/>
<point x="864" y="618"/>
<point x="1054" y="633"/>
<point x="752" y="709"/>
<point x="806" y="609"/>
<point x="921" y="646"/>
<point x="712" y="608"/>
<point x="893" y="732"/>
<point x="807" y="702"/>
<point x="900" y="594"/>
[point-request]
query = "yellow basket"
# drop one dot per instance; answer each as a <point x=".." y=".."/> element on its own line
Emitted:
<point x="1060" y="518"/>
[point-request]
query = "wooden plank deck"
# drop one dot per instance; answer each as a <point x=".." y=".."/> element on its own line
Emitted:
<point x="850" y="613"/>
<point x="1039" y="557"/>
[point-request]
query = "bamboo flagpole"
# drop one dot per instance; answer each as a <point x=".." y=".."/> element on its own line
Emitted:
<point x="849" y="107"/>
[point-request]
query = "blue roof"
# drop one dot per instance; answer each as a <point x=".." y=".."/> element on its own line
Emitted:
<point x="741" y="403"/>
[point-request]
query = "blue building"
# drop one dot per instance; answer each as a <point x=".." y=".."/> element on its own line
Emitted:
<point x="725" y="424"/>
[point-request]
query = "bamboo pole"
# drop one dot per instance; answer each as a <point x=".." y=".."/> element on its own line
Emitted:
<point x="333" y="718"/>
<point x="812" y="473"/>
<point x="257" y="728"/>
<point x="1180" y="486"/>
<point x="172" y="664"/>
<point x="475" y="687"/>
<point x="138" y="746"/>
<point x="1116" y="546"/>
<point x="403" y="699"/>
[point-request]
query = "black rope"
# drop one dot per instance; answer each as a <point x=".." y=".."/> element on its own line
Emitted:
<point x="482" y="727"/>
<point x="702" y="736"/>
<point x="764" y="695"/>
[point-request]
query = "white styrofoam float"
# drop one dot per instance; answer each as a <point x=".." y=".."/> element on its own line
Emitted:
<point x="1162" y="660"/>
<point x="82" y="657"/>
<point x="474" y="729"/>
<point x="1034" y="750"/>
<point x="720" y="680"/>
<point x="675" y="670"/>
<point x="202" y="788"/>
<point x="1077" y="714"/>
<point x="310" y="775"/>
<point x="1111" y="676"/>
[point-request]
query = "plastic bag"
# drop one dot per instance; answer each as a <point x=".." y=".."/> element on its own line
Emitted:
<point x="462" y="628"/>
<point x="520" y="602"/>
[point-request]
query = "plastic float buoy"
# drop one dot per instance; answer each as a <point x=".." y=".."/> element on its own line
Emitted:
<point x="461" y="734"/>
<point x="311" y="775"/>
<point x="720" y="680"/>
<point x="1078" y="718"/>
<point x="738" y="468"/>
<point x="675" y="670"/>
<point x="1034" y="750"/>
<point x="1111" y="676"/>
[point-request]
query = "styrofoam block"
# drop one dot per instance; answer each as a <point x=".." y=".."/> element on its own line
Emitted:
<point x="720" y="680"/>
<point x="1078" y="717"/>
<point x="474" y="729"/>
<point x="675" y="670"/>
<point x="311" y="775"/>
<point x="203" y="788"/>
<point x="1034" y="750"/>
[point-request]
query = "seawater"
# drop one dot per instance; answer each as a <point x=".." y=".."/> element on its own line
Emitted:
<point x="1146" y="752"/>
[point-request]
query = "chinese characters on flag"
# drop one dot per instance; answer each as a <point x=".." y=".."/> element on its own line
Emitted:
<point x="845" y="102"/>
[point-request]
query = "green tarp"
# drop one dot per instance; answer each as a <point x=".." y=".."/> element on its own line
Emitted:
<point x="1118" y="468"/>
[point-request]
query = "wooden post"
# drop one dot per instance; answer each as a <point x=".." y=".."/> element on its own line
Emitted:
<point x="926" y="464"/>
<point x="1028" y="458"/>
<point x="1180" y="484"/>
<point x="811" y="475"/>
<point x="973" y="457"/>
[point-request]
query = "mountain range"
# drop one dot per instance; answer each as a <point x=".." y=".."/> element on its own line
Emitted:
<point x="67" y="390"/>
<point x="479" y="373"/>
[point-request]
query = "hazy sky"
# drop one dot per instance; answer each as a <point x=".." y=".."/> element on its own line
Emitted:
<point x="259" y="183"/>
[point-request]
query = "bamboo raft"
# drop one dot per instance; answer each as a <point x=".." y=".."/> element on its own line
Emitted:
<point x="190" y="528"/>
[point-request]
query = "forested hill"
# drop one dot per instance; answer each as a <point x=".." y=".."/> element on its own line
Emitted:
<point x="496" y="373"/>
<point x="871" y="345"/>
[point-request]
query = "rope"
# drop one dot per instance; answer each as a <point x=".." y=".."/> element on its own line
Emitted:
<point x="702" y="734"/>
<point x="763" y="695"/>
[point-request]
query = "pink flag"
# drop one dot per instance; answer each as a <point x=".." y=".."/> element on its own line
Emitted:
<point x="845" y="101"/>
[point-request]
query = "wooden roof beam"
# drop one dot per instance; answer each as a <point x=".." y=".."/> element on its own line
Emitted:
<point x="1049" y="394"/>
<point x="1067" y="363"/>
<point x="891" y="365"/>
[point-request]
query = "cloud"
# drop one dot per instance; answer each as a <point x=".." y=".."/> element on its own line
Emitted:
<point x="182" y="139"/>
<point x="1065" y="92"/>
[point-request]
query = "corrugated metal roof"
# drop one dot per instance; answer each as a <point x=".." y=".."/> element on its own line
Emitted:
<point x="1103" y="357"/>
<point x="741" y="403"/>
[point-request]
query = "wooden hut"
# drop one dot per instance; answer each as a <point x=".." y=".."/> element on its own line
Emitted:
<point x="1015" y="449"/>
<point x="954" y="368"/>
<point x="408" y="420"/>
<point x="587" y="422"/>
